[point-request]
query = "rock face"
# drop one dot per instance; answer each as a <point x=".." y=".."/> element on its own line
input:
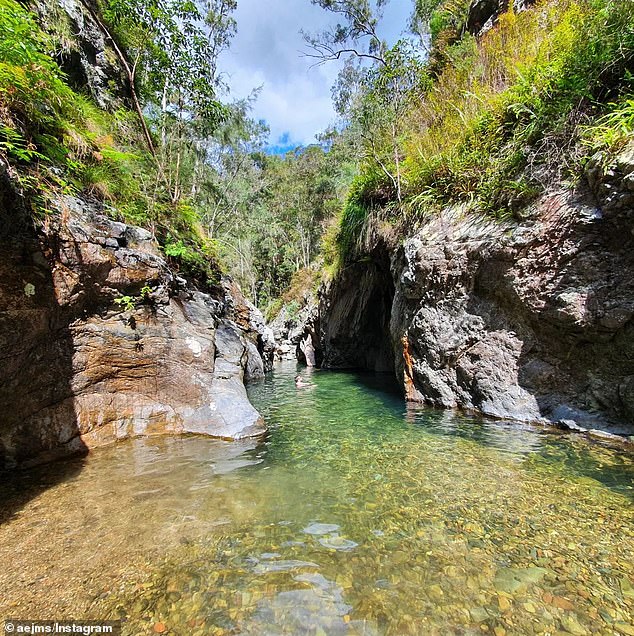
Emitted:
<point x="250" y="319"/>
<point x="531" y="321"/>
<point x="86" y="56"/>
<point x="296" y="336"/>
<point x="81" y="369"/>
<point x="483" y="14"/>
<point x="355" y="317"/>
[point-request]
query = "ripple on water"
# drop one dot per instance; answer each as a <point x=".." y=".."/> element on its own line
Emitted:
<point x="355" y="516"/>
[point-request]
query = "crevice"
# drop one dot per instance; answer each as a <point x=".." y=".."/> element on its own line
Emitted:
<point x="355" y="330"/>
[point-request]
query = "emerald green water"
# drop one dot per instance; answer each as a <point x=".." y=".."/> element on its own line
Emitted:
<point x="356" y="515"/>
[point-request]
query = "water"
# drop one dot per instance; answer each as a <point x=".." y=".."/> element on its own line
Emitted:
<point x="357" y="515"/>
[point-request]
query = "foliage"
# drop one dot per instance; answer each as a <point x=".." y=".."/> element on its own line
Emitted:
<point x="274" y="223"/>
<point x="304" y="285"/>
<point x="480" y="126"/>
<point x="170" y="47"/>
<point x="62" y="142"/>
<point x="130" y="303"/>
<point x="614" y="129"/>
<point x="34" y="99"/>
<point x="479" y="120"/>
<point x="126" y="303"/>
<point x="356" y="36"/>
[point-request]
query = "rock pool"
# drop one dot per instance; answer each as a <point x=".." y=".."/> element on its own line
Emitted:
<point x="356" y="515"/>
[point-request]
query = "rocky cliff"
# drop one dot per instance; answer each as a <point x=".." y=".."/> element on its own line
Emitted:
<point x="296" y="334"/>
<point x="100" y="337"/>
<point x="531" y="320"/>
<point x="100" y="340"/>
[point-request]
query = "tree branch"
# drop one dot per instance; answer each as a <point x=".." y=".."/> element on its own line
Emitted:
<point x="328" y="54"/>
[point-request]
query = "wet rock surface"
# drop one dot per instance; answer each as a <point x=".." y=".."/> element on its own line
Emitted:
<point x="100" y="340"/>
<point x="530" y="321"/>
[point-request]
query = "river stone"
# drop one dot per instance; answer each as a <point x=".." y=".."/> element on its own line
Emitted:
<point x="571" y="624"/>
<point x="283" y="566"/>
<point x="319" y="529"/>
<point x="626" y="588"/>
<point x="478" y="614"/>
<point x="531" y="575"/>
<point x="505" y="582"/>
<point x="338" y="543"/>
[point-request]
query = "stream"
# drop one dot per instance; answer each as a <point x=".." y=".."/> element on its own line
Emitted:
<point x="356" y="515"/>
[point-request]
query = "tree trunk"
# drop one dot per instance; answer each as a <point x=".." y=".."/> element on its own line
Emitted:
<point x="129" y="73"/>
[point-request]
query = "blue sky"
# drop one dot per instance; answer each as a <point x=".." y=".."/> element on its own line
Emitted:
<point x="295" y="96"/>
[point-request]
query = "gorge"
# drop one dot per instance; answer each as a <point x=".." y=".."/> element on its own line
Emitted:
<point x="529" y="321"/>
<point x="449" y="270"/>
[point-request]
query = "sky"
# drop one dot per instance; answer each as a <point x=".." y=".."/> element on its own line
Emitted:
<point x="295" y="98"/>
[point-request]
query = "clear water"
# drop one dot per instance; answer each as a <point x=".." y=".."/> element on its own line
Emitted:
<point x="357" y="515"/>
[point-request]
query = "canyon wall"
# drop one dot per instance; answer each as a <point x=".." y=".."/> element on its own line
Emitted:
<point x="530" y="320"/>
<point x="100" y="340"/>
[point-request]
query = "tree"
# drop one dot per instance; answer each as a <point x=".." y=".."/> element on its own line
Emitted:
<point x="170" y="55"/>
<point x="221" y="27"/>
<point x="377" y="82"/>
<point x="356" y="37"/>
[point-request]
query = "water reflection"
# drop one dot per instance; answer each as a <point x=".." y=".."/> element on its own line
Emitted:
<point x="512" y="438"/>
<point x="306" y="611"/>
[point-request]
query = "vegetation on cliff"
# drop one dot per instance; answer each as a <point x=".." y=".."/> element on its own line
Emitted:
<point x="59" y="141"/>
<point x="454" y="113"/>
<point x="497" y="117"/>
<point x="162" y="151"/>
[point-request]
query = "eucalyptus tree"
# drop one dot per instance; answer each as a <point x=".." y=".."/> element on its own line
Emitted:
<point x="377" y="82"/>
<point x="355" y="36"/>
<point x="170" y="50"/>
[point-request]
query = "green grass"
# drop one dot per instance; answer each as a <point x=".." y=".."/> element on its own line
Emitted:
<point x="612" y="131"/>
<point x="61" y="142"/>
<point x="494" y="106"/>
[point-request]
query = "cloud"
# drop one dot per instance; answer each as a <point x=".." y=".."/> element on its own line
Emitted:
<point x="295" y="98"/>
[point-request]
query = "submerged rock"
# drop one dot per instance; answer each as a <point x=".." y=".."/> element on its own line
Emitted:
<point x="318" y="529"/>
<point x="338" y="543"/>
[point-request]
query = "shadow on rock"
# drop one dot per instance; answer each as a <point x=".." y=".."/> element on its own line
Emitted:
<point x="37" y="416"/>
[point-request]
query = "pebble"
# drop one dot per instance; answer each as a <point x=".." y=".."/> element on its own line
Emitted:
<point x="572" y="625"/>
<point x="503" y="603"/>
<point x="562" y="603"/>
<point x="475" y="546"/>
